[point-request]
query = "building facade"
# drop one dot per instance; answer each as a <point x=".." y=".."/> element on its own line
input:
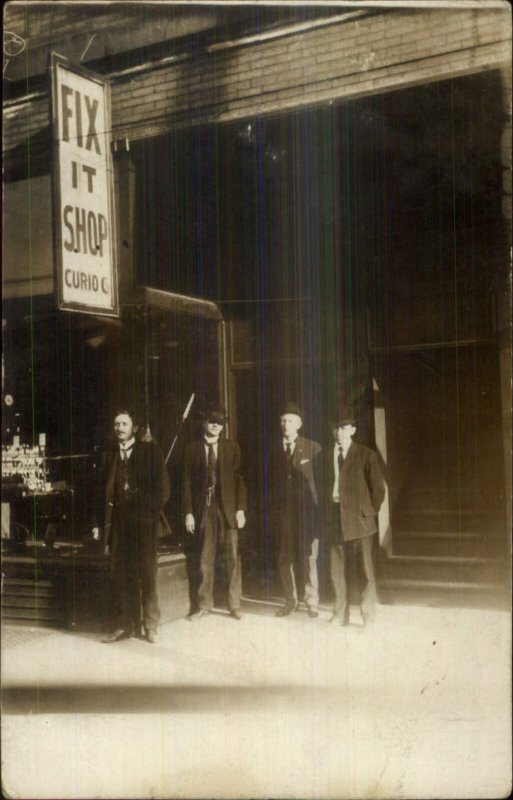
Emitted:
<point x="331" y="190"/>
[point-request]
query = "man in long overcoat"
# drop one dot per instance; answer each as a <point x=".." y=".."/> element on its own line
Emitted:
<point x="295" y="512"/>
<point x="354" y="492"/>
<point x="135" y="489"/>
<point x="214" y="501"/>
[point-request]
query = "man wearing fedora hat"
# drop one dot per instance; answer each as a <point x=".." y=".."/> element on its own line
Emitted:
<point x="354" y="493"/>
<point x="295" y="512"/>
<point x="214" y="502"/>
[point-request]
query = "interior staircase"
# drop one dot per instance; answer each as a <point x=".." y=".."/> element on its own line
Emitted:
<point x="442" y="554"/>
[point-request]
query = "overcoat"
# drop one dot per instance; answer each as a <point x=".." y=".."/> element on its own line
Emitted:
<point x="232" y="493"/>
<point x="296" y="517"/>
<point x="149" y="488"/>
<point x="361" y="493"/>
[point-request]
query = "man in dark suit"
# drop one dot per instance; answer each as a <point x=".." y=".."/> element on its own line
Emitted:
<point x="295" y="512"/>
<point x="136" y="487"/>
<point x="354" y="491"/>
<point x="214" y="502"/>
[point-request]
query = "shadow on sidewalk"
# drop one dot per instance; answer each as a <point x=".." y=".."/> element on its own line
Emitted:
<point x="166" y="699"/>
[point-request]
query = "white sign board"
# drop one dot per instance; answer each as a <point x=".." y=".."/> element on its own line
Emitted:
<point x="84" y="221"/>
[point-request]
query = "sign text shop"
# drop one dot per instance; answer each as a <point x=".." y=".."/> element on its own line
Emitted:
<point x="84" y="227"/>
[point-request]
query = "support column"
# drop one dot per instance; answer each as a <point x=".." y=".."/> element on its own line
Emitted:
<point x="124" y="179"/>
<point x="503" y="296"/>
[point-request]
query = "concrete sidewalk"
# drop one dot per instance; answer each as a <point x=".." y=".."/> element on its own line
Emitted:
<point x="416" y="705"/>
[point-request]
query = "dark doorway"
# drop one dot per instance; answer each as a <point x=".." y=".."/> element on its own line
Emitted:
<point x="444" y="430"/>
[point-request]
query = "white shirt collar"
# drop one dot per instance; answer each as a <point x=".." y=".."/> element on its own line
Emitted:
<point x="344" y="453"/>
<point x="128" y="445"/>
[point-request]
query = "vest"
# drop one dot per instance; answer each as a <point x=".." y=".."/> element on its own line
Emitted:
<point x="125" y="483"/>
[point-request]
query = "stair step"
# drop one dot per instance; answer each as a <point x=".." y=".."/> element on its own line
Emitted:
<point x="48" y="615"/>
<point x="449" y="521"/>
<point x="26" y="582"/>
<point x="446" y="498"/>
<point x="435" y="543"/>
<point x="445" y="568"/>
<point x="463" y="594"/>
<point x="17" y="590"/>
<point x="36" y="601"/>
<point x="9" y="601"/>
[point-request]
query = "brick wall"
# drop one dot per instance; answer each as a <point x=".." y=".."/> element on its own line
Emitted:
<point x="366" y="55"/>
<point x="361" y="56"/>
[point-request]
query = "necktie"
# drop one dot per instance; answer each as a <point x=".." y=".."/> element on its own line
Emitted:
<point x="125" y="452"/>
<point x="340" y="458"/>
<point x="124" y="463"/>
<point x="211" y="466"/>
<point x="288" y="451"/>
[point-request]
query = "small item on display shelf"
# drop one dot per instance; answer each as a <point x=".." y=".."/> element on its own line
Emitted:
<point x="24" y="469"/>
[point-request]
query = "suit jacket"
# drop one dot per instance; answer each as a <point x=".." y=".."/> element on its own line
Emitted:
<point x="231" y="486"/>
<point x="149" y="484"/>
<point x="361" y="492"/>
<point x="304" y="509"/>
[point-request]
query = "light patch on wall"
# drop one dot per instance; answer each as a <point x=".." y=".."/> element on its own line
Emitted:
<point x="27" y="237"/>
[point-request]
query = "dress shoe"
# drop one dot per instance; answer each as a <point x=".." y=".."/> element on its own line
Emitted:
<point x="342" y="619"/>
<point x="368" y="619"/>
<point x="312" y="613"/>
<point x="116" y="636"/>
<point x="285" y="611"/>
<point x="152" y="637"/>
<point x="203" y="612"/>
<point x="235" y="613"/>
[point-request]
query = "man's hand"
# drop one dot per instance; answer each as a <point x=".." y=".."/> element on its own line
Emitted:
<point x="106" y="550"/>
<point x="189" y="523"/>
<point x="241" y="519"/>
<point x="96" y="534"/>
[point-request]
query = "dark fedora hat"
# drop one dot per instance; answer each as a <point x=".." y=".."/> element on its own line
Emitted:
<point x="291" y="408"/>
<point x="344" y="416"/>
<point x="214" y="413"/>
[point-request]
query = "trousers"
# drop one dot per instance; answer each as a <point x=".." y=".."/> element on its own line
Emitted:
<point x="298" y="575"/>
<point x="216" y="534"/>
<point x="134" y="570"/>
<point x="347" y="560"/>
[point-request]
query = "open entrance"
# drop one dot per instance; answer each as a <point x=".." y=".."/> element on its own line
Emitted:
<point x="444" y="435"/>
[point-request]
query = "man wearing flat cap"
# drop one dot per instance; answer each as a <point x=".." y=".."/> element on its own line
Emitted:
<point x="354" y="491"/>
<point x="214" y="503"/>
<point x="295" y="512"/>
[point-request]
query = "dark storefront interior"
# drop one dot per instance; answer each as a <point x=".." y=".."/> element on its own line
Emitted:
<point x="68" y="373"/>
<point x="349" y="242"/>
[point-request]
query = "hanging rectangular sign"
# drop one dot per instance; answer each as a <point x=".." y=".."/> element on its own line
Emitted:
<point x="83" y="191"/>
